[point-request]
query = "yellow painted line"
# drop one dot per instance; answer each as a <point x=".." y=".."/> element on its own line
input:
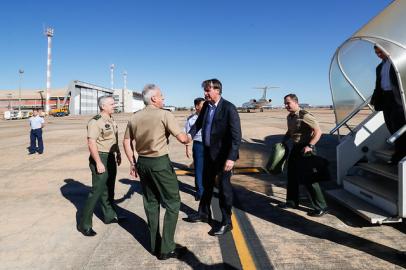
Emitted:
<point x="235" y="171"/>
<point x="246" y="170"/>
<point x="242" y="249"/>
<point x="183" y="172"/>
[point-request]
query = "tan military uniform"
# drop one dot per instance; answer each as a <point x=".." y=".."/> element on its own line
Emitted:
<point x="104" y="130"/>
<point x="151" y="128"/>
<point x="300" y="130"/>
<point x="301" y="125"/>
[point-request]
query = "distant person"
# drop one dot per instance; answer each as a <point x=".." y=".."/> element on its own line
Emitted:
<point x="304" y="131"/>
<point x="221" y="133"/>
<point x="150" y="129"/>
<point x="386" y="98"/>
<point x="36" y="123"/>
<point x="197" y="149"/>
<point x="41" y="113"/>
<point x="102" y="136"/>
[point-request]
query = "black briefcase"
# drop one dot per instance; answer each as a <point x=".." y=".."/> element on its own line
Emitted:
<point x="313" y="168"/>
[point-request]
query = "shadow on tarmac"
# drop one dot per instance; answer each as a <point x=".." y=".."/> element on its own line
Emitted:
<point x="135" y="186"/>
<point x="76" y="192"/>
<point x="248" y="201"/>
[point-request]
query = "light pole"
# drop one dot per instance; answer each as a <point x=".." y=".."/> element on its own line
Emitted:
<point x="21" y="72"/>
<point x="124" y="88"/>
<point x="49" y="33"/>
<point x="112" y="76"/>
<point x="9" y="95"/>
<point x="42" y="98"/>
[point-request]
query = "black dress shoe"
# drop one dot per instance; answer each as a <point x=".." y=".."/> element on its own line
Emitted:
<point x="88" y="232"/>
<point x="222" y="230"/>
<point x="197" y="218"/>
<point x="117" y="220"/>
<point x="178" y="252"/>
<point x="318" y="212"/>
<point x="287" y="205"/>
<point x="401" y="255"/>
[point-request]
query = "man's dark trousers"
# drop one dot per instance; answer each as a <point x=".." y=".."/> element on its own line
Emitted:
<point x="316" y="196"/>
<point x="213" y="168"/>
<point x="394" y="120"/>
<point x="36" y="135"/>
<point x="160" y="185"/>
<point x="102" y="184"/>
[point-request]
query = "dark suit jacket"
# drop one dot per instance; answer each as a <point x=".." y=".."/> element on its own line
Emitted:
<point x="377" y="96"/>
<point x="225" y="136"/>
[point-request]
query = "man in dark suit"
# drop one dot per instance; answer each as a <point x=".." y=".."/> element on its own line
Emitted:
<point x="221" y="132"/>
<point x="387" y="98"/>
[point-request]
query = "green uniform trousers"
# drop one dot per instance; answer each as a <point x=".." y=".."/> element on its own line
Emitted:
<point x="103" y="189"/>
<point x="160" y="186"/>
<point x="316" y="195"/>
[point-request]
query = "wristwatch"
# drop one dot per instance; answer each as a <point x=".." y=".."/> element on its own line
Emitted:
<point x="311" y="146"/>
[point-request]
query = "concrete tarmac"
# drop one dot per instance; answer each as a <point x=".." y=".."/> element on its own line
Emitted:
<point x="41" y="195"/>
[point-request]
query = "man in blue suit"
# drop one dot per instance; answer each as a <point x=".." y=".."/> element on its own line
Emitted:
<point x="221" y="132"/>
<point x="387" y="98"/>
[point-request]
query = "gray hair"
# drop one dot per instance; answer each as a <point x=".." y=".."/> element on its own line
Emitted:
<point x="148" y="92"/>
<point x="102" y="100"/>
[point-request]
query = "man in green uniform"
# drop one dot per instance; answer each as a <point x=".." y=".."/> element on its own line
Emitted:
<point x="150" y="129"/>
<point x="304" y="131"/>
<point x="102" y="136"/>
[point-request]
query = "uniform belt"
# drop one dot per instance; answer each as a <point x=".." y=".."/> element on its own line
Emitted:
<point x="144" y="157"/>
<point x="106" y="153"/>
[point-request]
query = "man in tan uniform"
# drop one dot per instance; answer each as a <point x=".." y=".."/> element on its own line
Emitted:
<point x="150" y="129"/>
<point x="102" y="137"/>
<point x="304" y="131"/>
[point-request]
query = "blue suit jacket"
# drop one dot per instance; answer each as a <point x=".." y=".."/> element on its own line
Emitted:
<point x="225" y="136"/>
<point x="377" y="96"/>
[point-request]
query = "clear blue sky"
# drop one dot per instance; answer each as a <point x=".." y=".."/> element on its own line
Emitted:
<point x="178" y="44"/>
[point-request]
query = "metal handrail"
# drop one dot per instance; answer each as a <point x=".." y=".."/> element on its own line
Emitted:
<point x="396" y="135"/>
<point x="350" y="116"/>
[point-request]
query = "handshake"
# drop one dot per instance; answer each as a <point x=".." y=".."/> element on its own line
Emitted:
<point x="184" y="138"/>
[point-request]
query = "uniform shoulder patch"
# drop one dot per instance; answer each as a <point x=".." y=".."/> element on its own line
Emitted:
<point x="97" y="117"/>
<point x="302" y="113"/>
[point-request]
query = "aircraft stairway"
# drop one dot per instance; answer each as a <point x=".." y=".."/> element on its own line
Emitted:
<point x="369" y="185"/>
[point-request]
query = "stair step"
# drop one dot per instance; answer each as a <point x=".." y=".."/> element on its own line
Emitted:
<point x="377" y="185"/>
<point x="371" y="213"/>
<point x="380" y="169"/>
<point x="384" y="154"/>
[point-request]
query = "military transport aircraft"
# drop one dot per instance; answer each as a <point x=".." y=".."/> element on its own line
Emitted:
<point x="261" y="103"/>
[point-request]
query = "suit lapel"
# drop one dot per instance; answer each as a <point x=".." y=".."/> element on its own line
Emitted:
<point x="205" y="110"/>
<point x="217" y="114"/>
